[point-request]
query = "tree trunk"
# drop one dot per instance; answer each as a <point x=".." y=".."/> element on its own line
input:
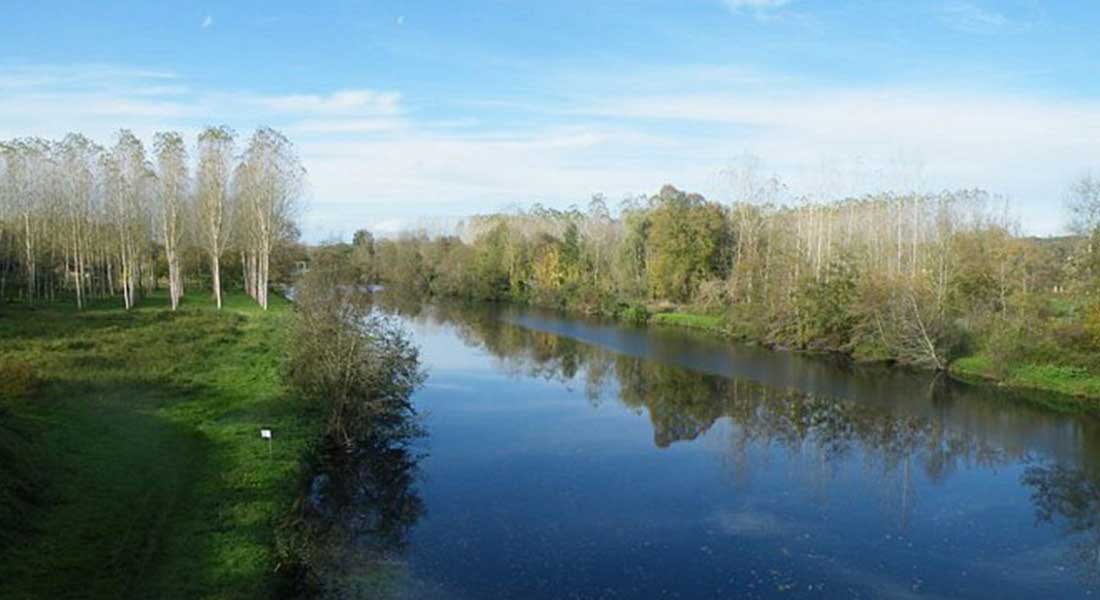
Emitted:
<point x="216" y="272"/>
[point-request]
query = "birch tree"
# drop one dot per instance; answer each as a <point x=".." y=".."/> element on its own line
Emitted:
<point x="215" y="166"/>
<point x="173" y="188"/>
<point x="80" y="161"/>
<point x="129" y="180"/>
<point x="269" y="187"/>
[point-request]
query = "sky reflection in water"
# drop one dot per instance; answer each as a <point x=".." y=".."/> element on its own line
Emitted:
<point x="577" y="459"/>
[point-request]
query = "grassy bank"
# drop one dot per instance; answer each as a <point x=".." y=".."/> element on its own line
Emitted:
<point x="140" y="472"/>
<point x="1079" y="388"/>
<point x="1064" y="387"/>
<point x="708" y="323"/>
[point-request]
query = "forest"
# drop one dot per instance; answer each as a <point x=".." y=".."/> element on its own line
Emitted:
<point x="935" y="281"/>
<point x="82" y="222"/>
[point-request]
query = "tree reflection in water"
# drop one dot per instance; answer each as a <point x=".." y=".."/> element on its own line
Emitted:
<point x="353" y="525"/>
<point x="1070" y="497"/>
<point x="825" y="431"/>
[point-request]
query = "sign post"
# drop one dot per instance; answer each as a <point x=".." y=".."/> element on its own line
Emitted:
<point x="266" y="434"/>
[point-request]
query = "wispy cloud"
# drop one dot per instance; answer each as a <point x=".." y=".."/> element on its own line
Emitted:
<point x="972" y="18"/>
<point x="346" y="126"/>
<point x="762" y="9"/>
<point x="370" y="157"/>
<point x="755" y="4"/>
<point x="51" y="100"/>
<point x="207" y="22"/>
<point x="21" y="77"/>
<point x="342" y="102"/>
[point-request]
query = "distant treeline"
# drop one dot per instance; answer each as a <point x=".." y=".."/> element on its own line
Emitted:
<point x="916" y="279"/>
<point x="82" y="221"/>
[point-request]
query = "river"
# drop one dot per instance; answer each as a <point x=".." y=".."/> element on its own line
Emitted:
<point x="575" y="458"/>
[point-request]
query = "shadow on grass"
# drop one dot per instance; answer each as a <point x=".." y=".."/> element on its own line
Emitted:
<point x="111" y="478"/>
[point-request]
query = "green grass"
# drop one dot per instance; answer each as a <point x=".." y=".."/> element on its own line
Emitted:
<point x="1079" y="387"/>
<point x="689" y="321"/>
<point x="138" y="468"/>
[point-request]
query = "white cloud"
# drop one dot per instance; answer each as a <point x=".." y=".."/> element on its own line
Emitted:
<point x="761" y="8"/>
<point x="346" y="126"/>
<point x="23" y="77"/>
<point x="972" y="18"/>
<point x="755" y="4"/>
<point x="207" y="22"/>
<point x="372" y="160"/>
<point x="1026" y="147"/>
<point x="343" y="102"/>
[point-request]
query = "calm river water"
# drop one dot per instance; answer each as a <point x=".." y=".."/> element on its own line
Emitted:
<point x="570" y="458"/>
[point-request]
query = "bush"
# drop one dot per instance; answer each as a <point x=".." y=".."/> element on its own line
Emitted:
<point x="355" y="364"/>
<point x="1092" y="323"/>
<point x="18" y="380"/>
<point x="633" y="313"/>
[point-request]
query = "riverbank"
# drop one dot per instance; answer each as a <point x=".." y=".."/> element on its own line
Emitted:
<point x="1065" y="387"/>
<point x="1077" y="389"/>
<point x="141" y="471"/>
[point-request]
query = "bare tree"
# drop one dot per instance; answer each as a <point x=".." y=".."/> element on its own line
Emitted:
<point x="269" y="183"/>
<point x="173" y="190"/>
<point x="215" y="158"/>
<point x="129" y="181"/>
<point x="1084" y="205"/>
<point x="80" y="161"/>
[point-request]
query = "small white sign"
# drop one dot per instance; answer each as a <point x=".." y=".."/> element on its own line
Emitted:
<point x="265" y="434"/>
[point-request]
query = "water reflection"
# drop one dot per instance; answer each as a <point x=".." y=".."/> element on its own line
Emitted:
<point x="1071" y="498"/>
<point x="354" y="523"/>
<point x="893" y="425"/>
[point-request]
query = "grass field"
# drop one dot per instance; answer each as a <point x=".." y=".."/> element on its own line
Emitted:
<point x="135" y="469"/>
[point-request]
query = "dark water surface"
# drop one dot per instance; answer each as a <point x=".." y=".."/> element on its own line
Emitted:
<point x="568" y="458"/>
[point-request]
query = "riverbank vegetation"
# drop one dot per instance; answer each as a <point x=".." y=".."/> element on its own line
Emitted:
<point x="358" y="370"/>
<point x="920" y="280"/>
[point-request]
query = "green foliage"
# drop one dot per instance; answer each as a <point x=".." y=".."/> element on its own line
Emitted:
<point x="1092" y="322"/>
<point x="635" y="314"/>
<point x="685" y="244"/>
<point x="824" y="307"/>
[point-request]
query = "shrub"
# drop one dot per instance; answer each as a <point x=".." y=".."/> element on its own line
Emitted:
<point x="1092" y="323"/>
<point x="355" y="364"/>
<point x="633" y="313"/>
<point x="18" y="379"/>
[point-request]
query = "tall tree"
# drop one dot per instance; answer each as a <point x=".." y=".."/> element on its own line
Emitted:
<point x="129" y="182"/>
<point x="215" y="166"/>
<point x="80" y="161"/>
<point x="269" y="187"/>
<point x="173" y="189"/>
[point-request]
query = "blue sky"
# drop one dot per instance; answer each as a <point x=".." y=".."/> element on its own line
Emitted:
<point x="411" y="110"/>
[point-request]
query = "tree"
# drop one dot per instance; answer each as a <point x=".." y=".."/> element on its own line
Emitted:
<point x="362" y="254"/>
<point x="129" y="181"/>
<point x="80" y="161"/>
<point x="268" y="184"/>
<point x="215" y="156"/>
<point x="685" y="243"/>
<point x="173" y="185"/>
